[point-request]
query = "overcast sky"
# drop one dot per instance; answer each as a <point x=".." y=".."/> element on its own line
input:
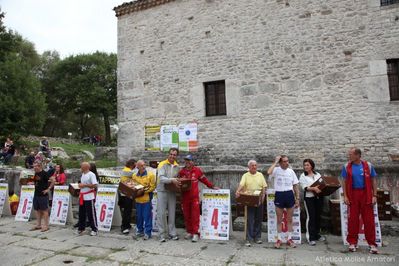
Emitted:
<point x="68" y="26"/>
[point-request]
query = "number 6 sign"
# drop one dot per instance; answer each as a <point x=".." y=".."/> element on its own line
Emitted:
<point x="215" y="221"/>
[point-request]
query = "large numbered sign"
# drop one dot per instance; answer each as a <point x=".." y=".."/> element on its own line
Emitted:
<point x="105" y="205"/>
<point x="25" y="203"/>
<point x="344" y="224"/>
<point x="59" y="209"/>
<point x="215" y="219"/>
<point x="272" y="222"/>
<point x="154" y="213"/>
<point x="3" y="196"/>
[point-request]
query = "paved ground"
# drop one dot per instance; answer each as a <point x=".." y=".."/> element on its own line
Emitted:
<point x="61" y="246"/>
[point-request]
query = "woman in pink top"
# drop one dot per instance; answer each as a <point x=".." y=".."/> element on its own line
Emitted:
<point x="59" y="177"/>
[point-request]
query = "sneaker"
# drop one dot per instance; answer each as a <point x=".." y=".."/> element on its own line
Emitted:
<point x="312" y="243"/>
<point x="93" y="233"/>
<point x="126" y="231"/>
<point x="138" y="234"/>
<point x="373" y="250"/>
<point x="258" y="241"/>
<point x="162" y="239"/>
<point x="291" y="243"/>
<point x="247" y="244"/>
<point x="278" y="244"/>
<point x="321" y="239"/>
<point x="80" y="233"/>
<point x="195" y="238"/>
<point x="174" y="237"/>
<point x="352" y="248"/>
<point x="146" y="237"/>
<point x="188" y="236"/>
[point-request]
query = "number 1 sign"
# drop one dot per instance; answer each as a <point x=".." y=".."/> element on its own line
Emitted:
<point x="61" y="205"/>
<point x="215" y="220"/>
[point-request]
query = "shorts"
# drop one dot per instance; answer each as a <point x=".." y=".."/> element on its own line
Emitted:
<point x="284" y="199"/>
<point x="40" y="203"/>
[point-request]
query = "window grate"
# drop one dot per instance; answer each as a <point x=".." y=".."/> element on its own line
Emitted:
<point x="389" y="2"/>
<point x="393" y="78"/>
<point x="215" y="98"/>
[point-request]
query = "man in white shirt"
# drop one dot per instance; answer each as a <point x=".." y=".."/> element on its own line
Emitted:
<point x="285" y="184"/>
<point x="88" y="184"/>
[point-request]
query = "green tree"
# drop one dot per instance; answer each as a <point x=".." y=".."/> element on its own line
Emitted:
<point x="22" y="104"/>
<point x="86" y="86"/>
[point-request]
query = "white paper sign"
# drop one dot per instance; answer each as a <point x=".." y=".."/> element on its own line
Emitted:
<point x="25" y="203"/>
<point x="344" y="224"/>
<point x="105" y="206"/>
<point x="59" y="209"/>
<point x="272" y="222"/>
<point x="188" y="137"/>
<point x="3" y="198"/>
<point x="215" y="219"/>
<point x="169" y="137"/>
<point x="154" y="213"/>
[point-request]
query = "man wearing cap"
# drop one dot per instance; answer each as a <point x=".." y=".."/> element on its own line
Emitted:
<point x="190" y="199"/>
<point x="168" y="171"/>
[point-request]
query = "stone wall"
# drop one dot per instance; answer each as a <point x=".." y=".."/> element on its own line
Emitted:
<point x="305" y="78"/>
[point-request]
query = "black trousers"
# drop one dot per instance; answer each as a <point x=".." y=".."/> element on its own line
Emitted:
<point x="254" y="222"/>
<point x="313" y="207"/>
<point x="87" y="210"/>
<point x="126" y="206"/>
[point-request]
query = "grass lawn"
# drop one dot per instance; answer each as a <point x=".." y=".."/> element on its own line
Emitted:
<point x="70" y="149"/>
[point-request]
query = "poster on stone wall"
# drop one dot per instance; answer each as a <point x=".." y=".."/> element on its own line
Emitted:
<point x="272" y="221"/>
<point x="152" y="138"/>
<point x="169" y="137"/>
<point x="188" y="137"/>
<point x="344" y="224"/>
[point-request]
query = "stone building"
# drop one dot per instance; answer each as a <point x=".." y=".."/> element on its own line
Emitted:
<point x="307" y="78"/>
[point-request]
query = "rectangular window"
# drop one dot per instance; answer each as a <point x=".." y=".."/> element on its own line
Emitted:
<point x="215" y="98"/>
<point x="389" y="2"/>
<point x="393" y="78"/>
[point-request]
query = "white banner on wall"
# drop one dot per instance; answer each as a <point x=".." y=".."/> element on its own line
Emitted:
<point x="272" y="221"/>
<point x="169" y="137"/>
<point x="344" y="224"/>
<point x="188" y="137"/>
<point x="215" y="218"/>
<point x="61" y="206"/>
<point x="105" y="206"/>
<point x="25" y="203"/>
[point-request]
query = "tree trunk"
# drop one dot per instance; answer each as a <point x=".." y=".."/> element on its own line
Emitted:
<point x="107" y="129"/>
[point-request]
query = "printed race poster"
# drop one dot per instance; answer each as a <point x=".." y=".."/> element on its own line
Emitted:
<point x="105" y="205"/>
<point x="4" y="199"/>
<point x="272" y="222"/>
<point x="152" y="138"/>
<point x="59" y="209"/>
<point x="215" y="218"/>
<point x="25" y="203"/>
<point x="344" y="224"/>
<point x="154" y="213"/>
<point x="188" y="137"/>
<point x="169" y="137"/>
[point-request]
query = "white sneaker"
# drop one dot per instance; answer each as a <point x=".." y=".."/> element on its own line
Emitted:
<point x="126" y="231"/>
<point x="248" y="244"/>
<point x="162" y="239"/>
<point x="188" y="236"/>
<point x="312" y="243"/>
<point x="322" y="238"/>
<point x="93" y="233"/>
<point x="352" y="248"/>
<point x="195" y="238"/>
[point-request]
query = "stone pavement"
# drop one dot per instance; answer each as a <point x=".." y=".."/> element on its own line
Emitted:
<point x="61" y="246"/>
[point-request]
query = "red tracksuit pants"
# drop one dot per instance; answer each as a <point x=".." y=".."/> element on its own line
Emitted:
<point x="191" y="213"/>
<point x="357" y="208"/>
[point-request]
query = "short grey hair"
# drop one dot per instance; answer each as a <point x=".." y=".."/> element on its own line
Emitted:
<point x="251" y="162"/>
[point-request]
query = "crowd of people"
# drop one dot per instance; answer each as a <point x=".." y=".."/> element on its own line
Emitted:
<point x="358" y="182"/>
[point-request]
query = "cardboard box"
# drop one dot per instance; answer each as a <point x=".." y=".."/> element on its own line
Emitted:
<point x="185" y="186"/>
<point x="327" y="184"/>
<point x="250" y="198"/>
<point x="74" y="189"/>
<point x="131" y="190"/>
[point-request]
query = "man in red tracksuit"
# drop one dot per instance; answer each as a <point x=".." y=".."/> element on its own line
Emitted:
<point x="360" y="194"/>
<point x="190" y="199"/>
